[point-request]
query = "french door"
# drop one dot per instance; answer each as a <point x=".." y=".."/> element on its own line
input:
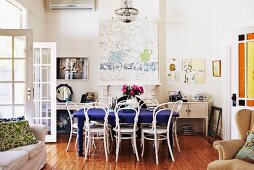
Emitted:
<point x="44" y="81"/>
<point x="242" y="79"/>
<point x="16" y="73"/>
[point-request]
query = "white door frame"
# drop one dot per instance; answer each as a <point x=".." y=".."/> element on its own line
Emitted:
<point x="226" y="113"/>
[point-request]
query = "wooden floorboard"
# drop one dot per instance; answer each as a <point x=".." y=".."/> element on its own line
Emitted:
<point x="196" y="152"/>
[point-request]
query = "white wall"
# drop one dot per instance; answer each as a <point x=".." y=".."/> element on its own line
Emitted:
<point x="229" y="18"/>
<point x="77" y="33"/>
<point x="36" y="18"/>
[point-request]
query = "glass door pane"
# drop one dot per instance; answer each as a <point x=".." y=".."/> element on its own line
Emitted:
<point x="44" y="87"/>
<point x="250" y="76"/>
<point x="14" y="78"/>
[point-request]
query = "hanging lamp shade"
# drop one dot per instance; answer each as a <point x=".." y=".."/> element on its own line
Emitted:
<point x="127" y="13"/>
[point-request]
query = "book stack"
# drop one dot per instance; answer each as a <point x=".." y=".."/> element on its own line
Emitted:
<point x="187" y="130"/>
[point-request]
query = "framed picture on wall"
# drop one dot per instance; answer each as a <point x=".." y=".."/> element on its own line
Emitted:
<point x="71" y="68"/>
<point x="216" y="68"/>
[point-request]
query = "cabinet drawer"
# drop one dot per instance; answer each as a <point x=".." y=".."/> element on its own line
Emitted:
<point x="184" y="111"/>
<point x="198" y="110"/>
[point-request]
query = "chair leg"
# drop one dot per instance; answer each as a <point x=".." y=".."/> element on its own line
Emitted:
<point x="156" y="149"/>
<point x="89" y="139"/>
<point x="117" y="146"/>
<point x="158" y="143"/>
<point x="108" y="143"/>
<point x="93" y="143"/>
<point x="135" y="146"/>
<point x="143" y="143"/>
<point x="85" y="139"/>
<point x="141" y="127"/>
<point x="105" y="146"/>
<point x="67" y="148"/>
<point x="170" y="149"/>
<point x="177" y="143"/>
<point x="87" y="146"/>
<point x="111" y="134"/>
<point x="132" y="143"/>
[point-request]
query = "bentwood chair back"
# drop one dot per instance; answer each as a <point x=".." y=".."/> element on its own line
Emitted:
<point x="74" y="125"/>
<point x="128" y="130"/>
<point x="159" y="133"/>
<point x="178" y="108"/>
<point x="96" y="132"/>
<point x="149" y="104"/>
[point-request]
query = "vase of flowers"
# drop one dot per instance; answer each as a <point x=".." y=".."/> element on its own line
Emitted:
<point x="131" y="92"/>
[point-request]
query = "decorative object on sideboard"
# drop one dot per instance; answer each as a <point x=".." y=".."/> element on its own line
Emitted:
<point x="90" y="97"/>
<point x="70" y="68"/>
<point x="216" y="68"/>
<point x="64" y="93"/>
<point x="199" y="97"/>
<point x="127" y="13"/>
<point x="83" y="98"/>
<point x="174" y="96"/>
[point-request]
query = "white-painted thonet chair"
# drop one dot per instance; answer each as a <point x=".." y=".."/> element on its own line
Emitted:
<point x="74" y="125"/>
<point x="107" y="100"/>
<point x="158" y="133"/>
<point x="175" y="130"/>
<point x="150" y="104"/>
<point x="98" y="131"/>
<point x="127" y="130"/>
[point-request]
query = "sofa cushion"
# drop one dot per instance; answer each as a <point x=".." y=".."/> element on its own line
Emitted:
<point x="32" y="150"/>
<point x="14" y="134"/>
<point x="12" y="160"/>
<point x="232" y="164"/>
<point x="247" y="151"/>
<point x="12" y="119"/>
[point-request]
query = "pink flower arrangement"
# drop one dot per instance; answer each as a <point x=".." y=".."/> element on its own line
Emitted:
<point x="132" y="91"/>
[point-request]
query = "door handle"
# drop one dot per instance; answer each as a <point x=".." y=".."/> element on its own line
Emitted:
<point x="28" y="93"/>
<point x="233" y="99"/>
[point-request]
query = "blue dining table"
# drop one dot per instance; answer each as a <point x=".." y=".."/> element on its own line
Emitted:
<point x="145" y="116"/>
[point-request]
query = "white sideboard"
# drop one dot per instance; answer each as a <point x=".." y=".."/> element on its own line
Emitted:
<point x="62" y="106"/>
<point x="191" y="110"/>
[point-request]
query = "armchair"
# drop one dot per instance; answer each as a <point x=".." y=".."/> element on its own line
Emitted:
<point x="227" y="149"/>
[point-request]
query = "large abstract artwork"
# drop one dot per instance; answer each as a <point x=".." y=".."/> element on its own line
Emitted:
<point x="194" y="70"/>
<point x="128" y="52"/>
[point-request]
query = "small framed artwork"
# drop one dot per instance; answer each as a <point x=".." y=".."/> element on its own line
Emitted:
<point x="216" y="68"/>
<point x="70" y="68"/>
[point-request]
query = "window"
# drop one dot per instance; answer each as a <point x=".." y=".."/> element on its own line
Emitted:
<point x="11" y="14"/>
